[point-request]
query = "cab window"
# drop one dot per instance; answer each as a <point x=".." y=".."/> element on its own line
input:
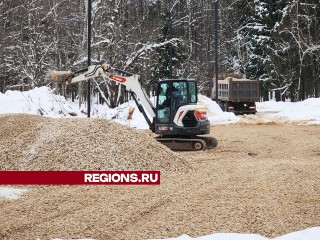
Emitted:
<point x="192" y="92"/>
<point x="163" y="95"/>
<point x="180" y="92"/>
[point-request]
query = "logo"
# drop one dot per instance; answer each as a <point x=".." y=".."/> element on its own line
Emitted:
<point x="163" y="128"/>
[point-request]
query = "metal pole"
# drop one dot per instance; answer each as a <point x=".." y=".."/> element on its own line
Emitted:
<point x="170" y="45"/>
<point x="89" y="59"/>
<point x="216" y="36"/>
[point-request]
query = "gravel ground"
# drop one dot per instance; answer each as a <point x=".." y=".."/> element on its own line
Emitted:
<point x="261" y="179"/>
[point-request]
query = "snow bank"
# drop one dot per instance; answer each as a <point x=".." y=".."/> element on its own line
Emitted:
<point x="43" y="101"/>
<point x="215" y="114"/>
<point x="11" y="193"/>
<point x="307" y="110"/>
<point x="307" y="234"/>
<point x="36" y="101"/>
<point x="271" y="106"/>
<point x="120" y="115"/>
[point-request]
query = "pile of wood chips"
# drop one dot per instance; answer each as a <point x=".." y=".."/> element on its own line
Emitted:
<point x="38" y="143"/>
<point x="261" y="179"/>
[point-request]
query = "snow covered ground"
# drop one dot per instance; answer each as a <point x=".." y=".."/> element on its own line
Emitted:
<point x="307" y="234"/>
<point x="43" y="101"/>
<point x="307" y="110"/>
<point x="11" y="193"/>
<point x="37" y="101"/>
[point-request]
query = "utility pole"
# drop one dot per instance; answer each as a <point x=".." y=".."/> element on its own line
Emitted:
<point x="216" y="36"/>
<point x="89" y="60"/>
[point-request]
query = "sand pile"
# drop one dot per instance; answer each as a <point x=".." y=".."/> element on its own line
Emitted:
<point x="38" y="143"/>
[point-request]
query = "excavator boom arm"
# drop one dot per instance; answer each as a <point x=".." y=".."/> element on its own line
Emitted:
<point x="131" y="81"/>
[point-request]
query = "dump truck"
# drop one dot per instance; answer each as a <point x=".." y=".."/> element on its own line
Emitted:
<point x="238" y="95"/>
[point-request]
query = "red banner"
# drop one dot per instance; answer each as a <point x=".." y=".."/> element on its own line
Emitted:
<point x="79" y="177"/>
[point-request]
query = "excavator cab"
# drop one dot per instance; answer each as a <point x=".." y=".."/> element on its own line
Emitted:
<point x="177" y="112"/>
<point x="173" y="94"/>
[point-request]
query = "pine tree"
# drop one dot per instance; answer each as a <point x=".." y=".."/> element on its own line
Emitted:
<point x="256" y="36"/>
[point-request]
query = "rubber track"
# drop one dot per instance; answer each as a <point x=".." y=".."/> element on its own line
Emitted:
<point x="182" y="144"/>
<point x="211" y="142"/>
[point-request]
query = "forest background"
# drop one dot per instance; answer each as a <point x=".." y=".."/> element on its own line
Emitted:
<point x="276" y="42"/>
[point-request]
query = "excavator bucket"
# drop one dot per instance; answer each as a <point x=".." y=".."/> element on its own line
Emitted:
<point x="58" y="76"/>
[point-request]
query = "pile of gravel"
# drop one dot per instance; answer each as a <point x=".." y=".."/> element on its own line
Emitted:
<point x="39" y="143"/>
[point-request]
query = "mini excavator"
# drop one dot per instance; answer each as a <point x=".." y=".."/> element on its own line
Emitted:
<point x="177" y="119"/>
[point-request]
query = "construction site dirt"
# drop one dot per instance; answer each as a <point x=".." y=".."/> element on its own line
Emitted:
<point x="262" y="178"/>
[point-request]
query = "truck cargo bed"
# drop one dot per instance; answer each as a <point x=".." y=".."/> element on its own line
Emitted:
<point x="238" y="95"/>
